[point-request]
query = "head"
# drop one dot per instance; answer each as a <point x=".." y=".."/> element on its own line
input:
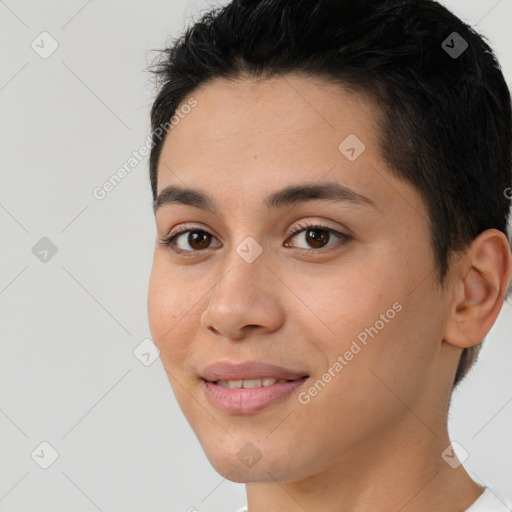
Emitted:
<point x="269" y="95"/>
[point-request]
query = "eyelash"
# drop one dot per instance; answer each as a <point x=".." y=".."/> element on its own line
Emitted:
<point x="344" y="238"/>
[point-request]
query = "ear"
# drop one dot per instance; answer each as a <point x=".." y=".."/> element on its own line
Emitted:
<point x="479" y="281"/>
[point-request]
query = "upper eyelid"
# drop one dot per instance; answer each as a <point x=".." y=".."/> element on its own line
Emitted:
<point x="313" y="225"/>
<point x="297" y="229"/>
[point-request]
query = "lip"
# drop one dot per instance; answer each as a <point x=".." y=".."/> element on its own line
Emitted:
<point x="251" y="400"/>
<point x="228" y="370"/>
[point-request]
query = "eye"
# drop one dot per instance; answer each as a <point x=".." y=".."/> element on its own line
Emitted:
<point x="197" y="240"/>
<point x="318" y="236"/>
<point x="315" y="235"/>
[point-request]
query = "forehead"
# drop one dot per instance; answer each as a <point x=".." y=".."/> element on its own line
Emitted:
<point x="262" y="114"/>
<point x="247" y="137"/>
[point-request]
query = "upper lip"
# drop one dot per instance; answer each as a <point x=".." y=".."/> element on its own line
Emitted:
<point x="227" y="370"/>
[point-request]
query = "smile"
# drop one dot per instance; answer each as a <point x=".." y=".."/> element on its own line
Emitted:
<point x="248" y="383"/>
<point x="249" y="396"/>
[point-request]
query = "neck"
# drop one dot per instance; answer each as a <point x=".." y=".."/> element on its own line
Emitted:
<point x="403" y="470"/>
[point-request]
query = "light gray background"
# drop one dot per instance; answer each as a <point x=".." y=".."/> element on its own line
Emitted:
<point x="69" y="326"/>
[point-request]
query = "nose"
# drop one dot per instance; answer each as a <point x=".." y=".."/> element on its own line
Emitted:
<point x="245" y="299"/>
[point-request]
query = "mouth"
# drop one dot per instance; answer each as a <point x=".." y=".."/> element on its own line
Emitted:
<point x="249" y="387"/>
<point x="252" y="383"/>
<point x="249" y="372"/>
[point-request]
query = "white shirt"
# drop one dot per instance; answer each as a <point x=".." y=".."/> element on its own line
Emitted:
<point x="489" y="501"/>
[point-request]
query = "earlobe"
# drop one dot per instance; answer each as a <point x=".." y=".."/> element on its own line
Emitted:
<point x="481" y="279"/>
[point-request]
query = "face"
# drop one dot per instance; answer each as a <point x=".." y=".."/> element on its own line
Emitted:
<point x="333" y="284"/>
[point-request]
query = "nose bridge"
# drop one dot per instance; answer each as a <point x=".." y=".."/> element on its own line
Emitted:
<point x="242" y="295"/>
<point x="243" y="270"/>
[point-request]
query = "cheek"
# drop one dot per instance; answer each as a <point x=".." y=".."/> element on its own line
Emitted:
<point x="388" y="348"/>
<point x="369" y="315"/>
<point x="174" y="309"/>
<point x="347" y="300"/>
<point x="167" y="308"/>
<point x="162" y="313"/>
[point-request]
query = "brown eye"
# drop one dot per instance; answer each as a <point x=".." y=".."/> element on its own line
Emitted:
<point x="199" y="239"/>
<point x="189" y="240"/>
<point x="318" y="237"/>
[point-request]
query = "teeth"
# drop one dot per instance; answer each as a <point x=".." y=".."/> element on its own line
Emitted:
<point x="230" y="383"/>
<point x="248" y="383"/>
<point x="252" y="383"/>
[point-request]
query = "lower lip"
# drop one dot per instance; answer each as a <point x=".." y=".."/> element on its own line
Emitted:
<point x="248" y="401"/>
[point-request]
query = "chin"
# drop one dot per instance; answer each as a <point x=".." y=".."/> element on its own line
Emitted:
<point x="242" y="462"/>
<point x="236" y="472"/>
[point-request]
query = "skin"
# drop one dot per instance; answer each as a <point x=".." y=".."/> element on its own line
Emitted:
<point x="372" y="439"/>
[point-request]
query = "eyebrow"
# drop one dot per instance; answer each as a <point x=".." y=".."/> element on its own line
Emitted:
<point x="288" y="196"/>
